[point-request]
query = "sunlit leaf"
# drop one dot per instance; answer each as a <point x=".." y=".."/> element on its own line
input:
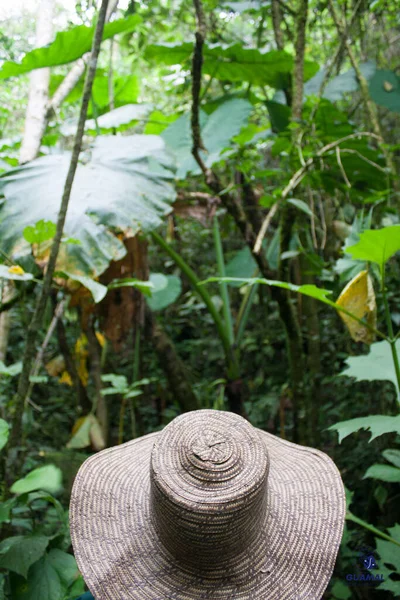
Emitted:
<point x="377" y="365"/>
<point x="15" y="272"/>
<point x="47" y="478"/>
<point x="301" y="205"/>
<point x="97" y="290"/>
<point x="376" y="424"/>
<point x="392" y="455"/>
<point x="358" y="297"/>
<point x="67" y="47"/>
<point x="383" y="473"/>
<point x="40" y="232"/>
<point x="377" y="245"/>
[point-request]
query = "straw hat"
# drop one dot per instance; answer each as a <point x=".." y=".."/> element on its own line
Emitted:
<point x="210" y="507"/>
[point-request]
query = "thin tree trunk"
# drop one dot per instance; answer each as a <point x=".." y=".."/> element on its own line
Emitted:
<point x="72" y="78"/>
<point x="101" y="406"/>
<point x="18" y="403"/>
<point x="35" y="122"/>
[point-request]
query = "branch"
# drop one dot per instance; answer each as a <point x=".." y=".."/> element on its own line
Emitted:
<point x="299" y="175"/>
<point x="18" y="404"/>
<point x="369" y="105"/>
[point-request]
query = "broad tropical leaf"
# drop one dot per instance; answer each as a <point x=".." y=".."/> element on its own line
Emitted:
<point x="377" y="245"/>
<point x="234" y="63"/>
<point x="50" y="578"/>
<point x="67" y="47"/>
<point x="47" y="478"/>
<point x="376" y="424"/>
<point x="18" y="553"/>
<point x="377" y="365"/>
<point x="125" y="187"/>
<point x="358" y="297"/>
<point x="166" y="289"/>
<point x="384" y="88"/>
<point x="217" y="130"/>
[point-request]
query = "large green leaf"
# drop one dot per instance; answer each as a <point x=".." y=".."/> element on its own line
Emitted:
<point x="20" y="552"/>
<point x="217" y="130"/>
<point x="341" y="84"/>
<point x="120" y="116"/>
<point x="376" y="424"/>
<point x="390" y="556"/>
<point x="393" y="456"/>
<point x="242" y="265"/>
<point x="47" y="478"/>
<point x="383" y="473"/>
<point x="67" y="47"/>
<point x="377" y="365"/>
<point x="126" y="186"/>
<point x="384" y="88"/>
<point x="377" y="245"/>
<point x="166" y="289"/>
<point x="234" y="63"/>
<point x="49" y="579"/>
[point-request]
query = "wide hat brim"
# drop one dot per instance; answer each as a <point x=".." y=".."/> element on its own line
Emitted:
<point x="121" y="557"/>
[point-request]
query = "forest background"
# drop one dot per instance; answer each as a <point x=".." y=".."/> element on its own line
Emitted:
<point x="199" y="209"/>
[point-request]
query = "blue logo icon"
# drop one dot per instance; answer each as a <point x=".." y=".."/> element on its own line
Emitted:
<point x="369" y="562"/>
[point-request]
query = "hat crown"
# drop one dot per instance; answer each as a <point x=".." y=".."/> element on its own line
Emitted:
<point x="209" y="474"/>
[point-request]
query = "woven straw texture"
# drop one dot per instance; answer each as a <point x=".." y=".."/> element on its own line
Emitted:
<point x="209" y="508"/>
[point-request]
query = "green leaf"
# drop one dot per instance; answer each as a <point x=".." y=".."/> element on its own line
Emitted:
<point x="49" y="579"/>
<point x="67" y="47"/>
<point x="383" y="473"/>
<point x="4" y="433"/>
<point x="301" y="205"/>
<point x="377" y="245"/>
<point x="217" y="130"/>
<point x="340" y="591"/>
<point x="143" y="286"/>
<point x="11" y="370"/>
<point x="233" y="63"/>
<point x="97" y="290"/>
<point x="119" y="382"/>
<point x="279" y="115"/>
<point x="47" y="478"/>
<point x="242" y="265"/>
<point x="166" y="289"/>
<point x="5" y="509"/>
<point x="376" y="424"/>
<point x="384" y="88"/>
<point x="40" y="232"/>
<point x="127" y="186"/>
<point x="14" y="273"/>
<point x="390" y="556"/>
<point x="120" y="116"/>
<point x="375" y="366"/>
<point x="392" y="456"/>
<point x="20" y="552"/>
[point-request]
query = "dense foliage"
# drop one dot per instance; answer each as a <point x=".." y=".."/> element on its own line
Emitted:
<point x="231" y="241"/>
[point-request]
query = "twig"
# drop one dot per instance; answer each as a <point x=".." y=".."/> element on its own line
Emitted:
<point x="197" y="65"/>
<point x="313" y="233"/>
<point x="297" y="178"/>
<point x="339" y="161"/>
<point x="36" y="323"/>
<point x="369" y="106"/>
<point x="39" y="357"/>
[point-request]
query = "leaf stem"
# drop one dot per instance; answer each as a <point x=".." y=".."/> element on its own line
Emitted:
<point x="223" y="286"/>
<point x="371" y="528"/>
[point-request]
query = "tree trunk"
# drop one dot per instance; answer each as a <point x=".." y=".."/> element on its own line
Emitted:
<point x="35" y="122"/>
<point x="172" y="366"/>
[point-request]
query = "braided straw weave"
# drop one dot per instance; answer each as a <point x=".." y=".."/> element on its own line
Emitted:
<point x="209" y="508"/>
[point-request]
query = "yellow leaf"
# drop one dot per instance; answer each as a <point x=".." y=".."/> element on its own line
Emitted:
<point x="55" y="366"/>
<point x="78" y="424"/>
<point x="100" y="338"/>
<point x="16" y="270"/>
<point x="358" y="297"/>
<point x="65" y="378"/>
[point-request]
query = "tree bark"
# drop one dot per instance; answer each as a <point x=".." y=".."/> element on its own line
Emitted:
<point x="173" y="366"/>
<point x="35" y="122"/>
